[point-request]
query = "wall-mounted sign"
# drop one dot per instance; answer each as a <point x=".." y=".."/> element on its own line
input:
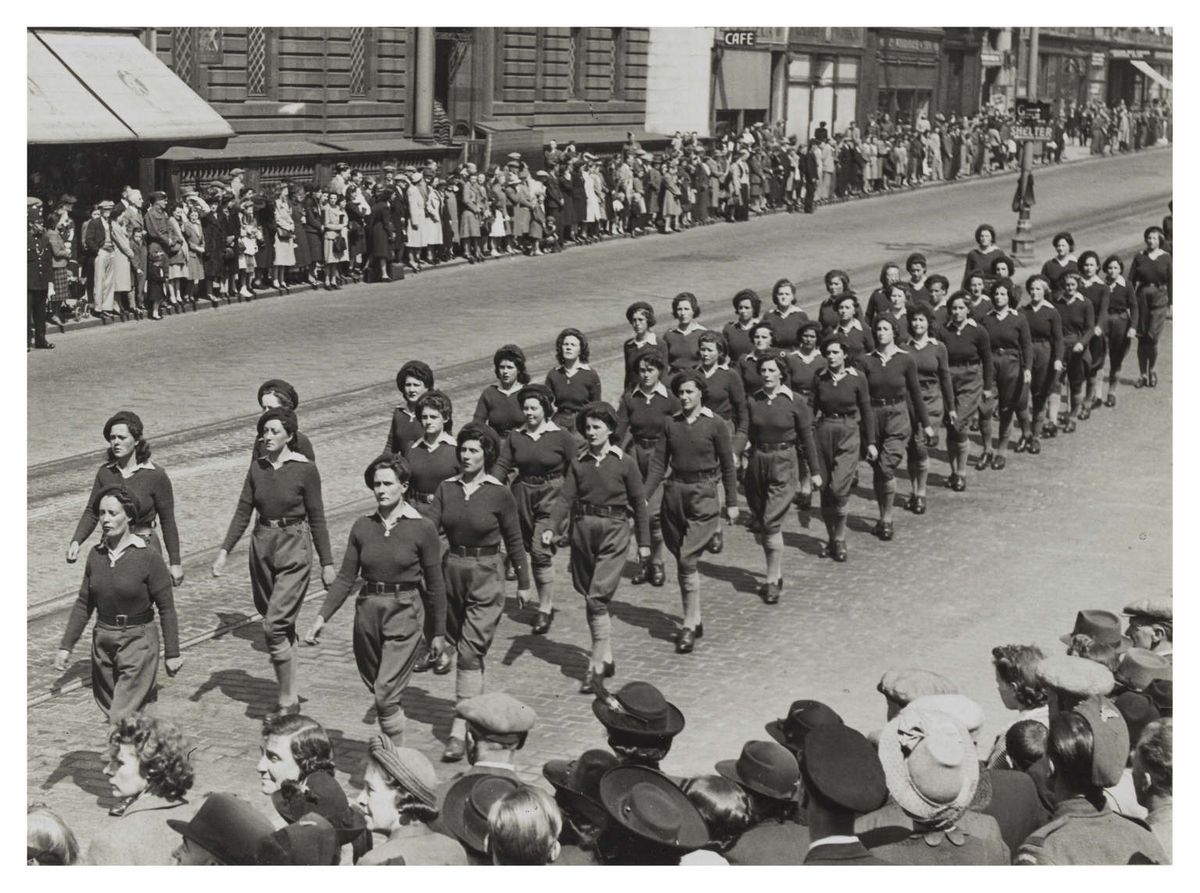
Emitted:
<point x="1097" y="60"/>
<point x="752" y="38"/>
<point x="1125" y="53"/>
<point x="1032" y="113"/>
<point x="911" y="44"/>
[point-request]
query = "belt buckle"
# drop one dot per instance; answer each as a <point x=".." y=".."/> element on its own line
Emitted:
<point x="121" y="621"/>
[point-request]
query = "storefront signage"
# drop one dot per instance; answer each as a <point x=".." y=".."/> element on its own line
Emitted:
<point x="1033" y="113"/>
<point x="1024" y="133"/>
<point x="740" y="39"/>
<point x="1097" y="60"/>
<point x="1123" y="53"/>
<point x="911" y="44"/>
<point x="991" y="58"/>
<point x="752" y="38"/>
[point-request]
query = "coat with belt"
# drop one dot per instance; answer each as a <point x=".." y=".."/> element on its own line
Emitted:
<point x="379" y="245"/>
<point x="39" y="261"/>
<point x="122" y="258"/>
<point x="415" y="195"/>
<point x="133" y="221"/>
<point x="158" y="230"/>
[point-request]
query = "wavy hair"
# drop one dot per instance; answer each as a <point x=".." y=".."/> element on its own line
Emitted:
<point x="164" y="759"/>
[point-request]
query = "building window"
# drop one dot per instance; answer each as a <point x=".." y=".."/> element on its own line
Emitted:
<point x="800" y="68"/>
<point x="358" y="63"/>
<point x="618" y="50"/>
<point x="183" y="53"/>
<point x="256" y="62"/>
<point x="577" y="64"/>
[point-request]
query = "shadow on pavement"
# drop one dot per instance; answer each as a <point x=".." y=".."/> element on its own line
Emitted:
<point x="349" y="755"/>
<point x="80" y="670"/>
<point x="737" y="577"/>
<point x="437" y="713"/>
<point x="571" y="660"/>
<point x="247" y="632"/>
<point x="85" y="768"/>
<point x="809" y="545"/>
<point x="659" y="625"/>
<point x="257" y="694"/>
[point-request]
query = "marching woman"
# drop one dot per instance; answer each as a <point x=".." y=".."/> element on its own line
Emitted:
<point x="851" y="331"/>
<point x="123" y="582"/>
<point x="725" y="395"/>
<point x="540" y="452"/>
<point x="843" y="407"/>
<point x="641" y="317"/>
<point x="970" y="356"/>
<point x="1062" y="263"/>
<point x="937" y="393"/>
<point x="682" y="342"/>
<point x="1078" y="323"/>
<point x="1002" y="268"/>
<point x="1150" y="279"/>
<point x="747" y="309"/>
<point x="284" y="489"/>
<point x="786" y="319"/>
<point x="600" y="493"/>
<point x="780" y="430"/>
<point x="397" y="555"/>
<point x="276" y="393"/>
<point x="896" y="310"/>
<point x="938" y="287"/>
<point x="803" y="365"/>
<point x="1122" y="324"/>
<point x="642" y="417"/>
<point x="128" y="465"/>
<point x="837" y="283"/>
<point x="433" y="457"/>
<point x="895" y="394"/>
<point x="499" y="405"/>
<point x="413" y="380"/>
<point x="1046" y="345"/>
<point x="880" y="299"/>
<point x="476" y="512"/>
<point x="696" y="447"/>
<point x="572" y="381"/>
<point x="979" y="259"/>
<point x="1095" y="290"/>
<point x="977" y="286"/>
<point x="1012" y="362"/>
<point x="762" y="337"/>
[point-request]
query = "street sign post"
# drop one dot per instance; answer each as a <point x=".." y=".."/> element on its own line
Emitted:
<point x="1036" y="132"/>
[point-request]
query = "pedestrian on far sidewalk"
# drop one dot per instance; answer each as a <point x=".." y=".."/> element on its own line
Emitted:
<point x="39" y="276"/>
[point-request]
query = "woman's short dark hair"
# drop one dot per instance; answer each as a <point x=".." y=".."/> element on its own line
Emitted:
<point x="1037" y="277"/>
<point x="711" y="337"/>
<point x="1063" y="236"/>
<point x="486" y="438"/>
<point x="1025" y="743"/>
<point x="985" y="228"/>
<point x="685" y="296"/>
<point x="833" y="341"/>
<point x="1017" y="666"/>
<point x="724" y="807"/>
<point x="922" y="311"/>
<point x="764" y="809"/>
<point x="435" y="399"/>
<point x="311" y="748"/>
<point x="694" y="377"/>
<point x="516" y="356"/>
<point x="772" y="356"/>
<point x="1085" y="255"/>
<point x="164" y="759"/>
<point x="388" y="461"/>
<point x="883" y="271"/>
<point x="1071" y="747"/>
<point x="748" y="294"/>
<point x="133" y="424"/>
<point x="780" y="283"/>
<point x="962" y="296"/>
<point x="584" y="351"/>
<point x="643" y="307"/>
<point x="541" y="395"/>
<point x="1112" y="257"/>
<point x="414" y="369"/>
<point x="1001" y="259"/>
<point x="754" y="329"/>
<point x="597" y="409"/>
<point x="975" y="274"/>
<point x="937" y="278"/>
<point x="843" y="298"/>
<point x="886" y="320"/>
<point x="1162" y="237"/>
<point x="1005" y="283"/>
<point x="283" y="391"/>
<point x="915" y="258"/>
<point x="285" y="417"/>
<point x="838" y="274"/>
<point x="650" y="355"/>
<point x="811" y="326"/>
<point x="129" y="503"/>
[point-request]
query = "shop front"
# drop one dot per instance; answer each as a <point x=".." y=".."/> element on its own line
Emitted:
<point x="748" y="75"/>
<point x="824" y="67"/>
<point x="1139" y="76"/>
<point x="902" y="73"/>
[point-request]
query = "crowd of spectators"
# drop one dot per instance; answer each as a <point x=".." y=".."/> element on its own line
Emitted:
<point x="1079" y="773"/>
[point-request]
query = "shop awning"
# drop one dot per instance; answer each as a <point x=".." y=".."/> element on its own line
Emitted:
<point x="60" y="108"/>
<point x="743" y="80"/>
<point x="127" y="82"/>
<point x="1150" y="72"/>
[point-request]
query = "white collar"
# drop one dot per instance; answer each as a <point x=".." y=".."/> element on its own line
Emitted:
<point x="403" y="407"/>
<point x="999" y="315"/>
<point x="878" y="352"/>
<point x="650" y="338"/>
<point x="1093" y="279"/>
<point x="441" y="438"/>
<point x="515" y="387"/>
<point x="989" y="249"/>
<point x="544" y="428"/>
<point x="834" y="840"/>
<point x="970" y="321"/>
<point x="563" y="369"/>
<point x="484" y="478"/>
<point x="1120" y="280"/>
<point x="704" y="411"/>
<point x="708" y="373"/>
<point x="1153" y="256"/>
<point x="137" y="466"/>
<point x="1078" y="296"/>
<point x="748" y="326"/>
<point x="1062" y="262"/>
<point x="289" y="455"/>
<point x="659" y="388"/>
<point x="131" y="541"/>
<point x="609" y="448"/>
<point x="406" y="511"/>
<point x="809" y="360"/>
<point x="918" y="285"/>
<point x="791" y="309"/>
<point x="929" y="339"/>
<point x="835" y="377"/>
<point x="696" y="327"/>
<point x="853" y="324"/>
<point x="782" y="389"/>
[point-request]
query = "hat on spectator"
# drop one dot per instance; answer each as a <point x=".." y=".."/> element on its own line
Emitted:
<point x="155" y="196"/>
<point x="968" y="713"/>
<point x="650" y="806"/>
<point x="639" y="709"/>
<point x="842" y="767"/>
<point x="1161" y="691"/>
<point x="341" y="166"/>
<point x="1110" y="740"/>
<point x="32" y="202"/>
<point x="465" y="809"/>
<point x="576" y="782"/>
<point x="319" y="792"/>
<point x="103" y="205"/>
<point x="281" y="389"/>
<point x="389" y="168"/>
<point x="513" y="156"/>
<point x="310" y="840"/>
<point x="129" y="419"/>
<point x="907" y="684"/>
<point x="407" y="767"/>
<point x="497" y="717"/>
<point x="929" y="762"/>
<point x="1139" y="667"/>
<point x="1101" y="626"/>
<point x="541" y="174"/>
<point x="66" y="199"/>
<point x="1151" y="608"/>
<point x="1074" y="676"/>
<point x="802" y="718"/>
<point x="228" y="828"/>
<point x="765" y="767"/>
<point x="1138" y="710"/>
<point x="237" y="172"/>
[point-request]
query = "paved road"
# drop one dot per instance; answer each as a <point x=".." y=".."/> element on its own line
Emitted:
<point x="1085" y="524"/>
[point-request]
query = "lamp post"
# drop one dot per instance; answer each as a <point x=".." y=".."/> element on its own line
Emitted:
<point x="1022" y="243"/>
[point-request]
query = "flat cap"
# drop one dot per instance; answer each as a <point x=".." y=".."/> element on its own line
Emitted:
<point x="513" y="156"/>
<point x="1152" y="608"/>
<point x="496" y="713"/>
<point x="156" y="196"/>
<point x="1140" y="666"/>
<point x="842" y="766"/>
<point x="237" y="172"/>
<point x="31" y="202"/>
<point x="1076" y="676"/>
<point x="409" y="768"/>
<point x="107" y="203"/>
<point x="907" y="684"/>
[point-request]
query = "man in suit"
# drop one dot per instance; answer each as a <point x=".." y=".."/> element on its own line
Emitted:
<point x="842" y="779"/>
<point x="39" y="275"/>
<point x="810" y="165"/>
<point x="98" y="243"/>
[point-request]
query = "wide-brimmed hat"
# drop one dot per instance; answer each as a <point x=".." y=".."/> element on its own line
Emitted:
<point x="468" y="801"/>
<point x="639" y="709"/>
<point x="319" y="792"/>
<point x="1101" y="626"/>
<point x="576" y="783"/>
<point x="1074" y="676"/>
<point x="765" y="767"/>
<point x="1110" y="740"/>
<point x="407" y="767"/>
<point x="650" y="806"/>
<point x="310" y="840"/>
<point x="1141" y="666"/>
<point x="228" y="828"/>
<point x="906" y="684"/>
<point x="802" y="718"/>
<point x="929" y="762"/>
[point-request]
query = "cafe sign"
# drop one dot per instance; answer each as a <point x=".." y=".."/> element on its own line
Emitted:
<point x="752" y="38"/>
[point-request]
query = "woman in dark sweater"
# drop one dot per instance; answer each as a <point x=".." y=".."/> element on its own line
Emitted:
<point x="433" y="457"/>
<point x="697" y="449"/>
<point x="970" y="356"/>
<point x="1046" y="365"/>
<point x="803" y="365"/>
<point x="837" y="283"/>
<point x="498" y="405"/>
<point x="1061" y="264"/>
<point x="726" y="397"/>
<point x="539" y="452"/>
<point x="129" y="466"/>
<point x="1012" y="359"/>
<point x="979" y="259"/>
<point x="1150" y="279"/>
<point x="762" y="338"/>
<point x="397" y="555"/>
<point x="600" y="493"/>
<point x="640" y="316"/>
<point x="476" y="511"/>
<point x="1078" y="322"/>
<point x="937" y="393"/>
<point x="413" y="380"/>
<point x="284" y="490"/>
<point x="747" y="309"/>
<point x="851" y="331"/>
<point x="123" y="582"/>
<point x="682" y="341"/>
<point x="276" y="393"/>
<point x="1095" y="290"/>
<point x="572" y="381"/>
<point x="1121" y="327"/>
<point x="786" y="318"/>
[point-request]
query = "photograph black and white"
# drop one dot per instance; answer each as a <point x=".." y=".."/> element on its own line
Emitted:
<point x="599" y="445"/>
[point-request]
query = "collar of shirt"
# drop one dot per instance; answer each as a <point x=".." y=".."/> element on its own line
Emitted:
<point x="1063" y="261"/>
<point x="806" y="360"/>
<point x="918" y="286"/>
<point x="131" y="541"/>
<point x="136" y="466"/>
<point x="544" y="428"/>
<point x="834" y="840"/>
<point x="1120" y="280"/>
<point x="695" y="327"/>
<point x="921" y="345"/>
<point x="1000" y="314"/>
<point x="469" y="488"/>
<point x="987" y="250"/>
<point x="1094" y="279"/>
<point x="145" y="802"/>
<point x="853" y="324"/>
<point x="650" y="339"/>
<point x="883" y="357"/>
<point x="1156" y="254"/>
<point x="1073" y="298"/>
<point x="704" y="412"/>
<point x="835" y="377"/>
<point x="441" y="438"/>
<point x="710" y="372"/>
<point x="406" y="511"/>
<point x="516" y="386"/>
<point x="1080" y="807"/>
<point x="659" y="388"/>
<point x="609" y="449"/>
<point x="792" y="308"/>
<point x="746" y="327"/>
<point x="571" y="372"/>
<point x="288" y="455"/>
<point x="412" y="415"/>
<point x="969" y="321"/>
<point x="782" y="389"/>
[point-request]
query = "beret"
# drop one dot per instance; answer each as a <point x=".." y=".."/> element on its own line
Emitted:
<point x="280" y="387"/>
<point x="1151" y="607"/>
<point x="409" y="768"/>
<point x="497" y="713"/>
<point x="842" y="766"/>
<point x="1138" y="711"/>
<point x="1074" y="675"/>
<point x="906" y="685"/>
<point x="1110" y="740"/>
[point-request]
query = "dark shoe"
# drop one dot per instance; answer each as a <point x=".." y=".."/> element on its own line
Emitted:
<point x="685" y="641"/>
<point x="443" y="664"/>
<point x="588" y="686"/>
<point x="951" y="481"/>
<point x="984" y="462"/>
<point x="918" y="505"/>
<point x="1141" y="382"/>
<point x="643" y="573"/>
<point x="839" y="550"/>
<point x="1069" y="427"/>
<point x="541" y="626"/>
<point x="43" y="345"/>
<point x="1022" y="444"/>
<point x="717" y="543"/>
<point x="999" y="462"/>
<point x="700" y="630"/>
<point x="1085" y="413"/>
<point x="804" y="501"/>
<point x="510" y="573"/>
<point x="1035" y="446"/>
<point x="774" y="590"/>
<point x="960" y="484"/>
<point x="1153" y="379"/>
<point x="455" y="750"/>
<point x="885" y="530"/>
<point x="1050" y="429"/>
<point x="426" y="663"/>
<point x="658" y="575"/>
<point x="1110" y="401"/>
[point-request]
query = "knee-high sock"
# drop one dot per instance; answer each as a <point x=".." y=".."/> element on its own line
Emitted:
<point x="773" y="550"/>
<point x="985" y="433"/>
<point x="1006" y="420"/>
<point x="468" y="682"/>
<point x="689" y="589"/>
<point x="543" y="578"/>
<point x="285" y="673"/>
<point x="1054" y="404"/>
<point x="885" y="490"/>
<point x="600" y="626"/>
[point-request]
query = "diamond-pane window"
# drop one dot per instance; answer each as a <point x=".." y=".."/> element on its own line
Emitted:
<point x="358" y="62"/>
<point x="256" y="61"/>
<point x="183" y="53"/>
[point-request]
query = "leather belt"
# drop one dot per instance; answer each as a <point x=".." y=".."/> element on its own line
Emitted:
<point x="474" y="551"/>
<point x="369" y="587"/>
<point x="539" y="478"/>
<point x="886" y="401"/>
<point x="424" y="498"/>
<point x="954" y="365"/>
<point x="123" y="620"/>
<point x="694" y="477"/>
<point x="852" y="415"/>
<point x="775" y="447"/>
<point x="646" y="443"/>
<point x="279" y="522"/>
<point x="1006" y="351"/>
<point x="601" y="511"/>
